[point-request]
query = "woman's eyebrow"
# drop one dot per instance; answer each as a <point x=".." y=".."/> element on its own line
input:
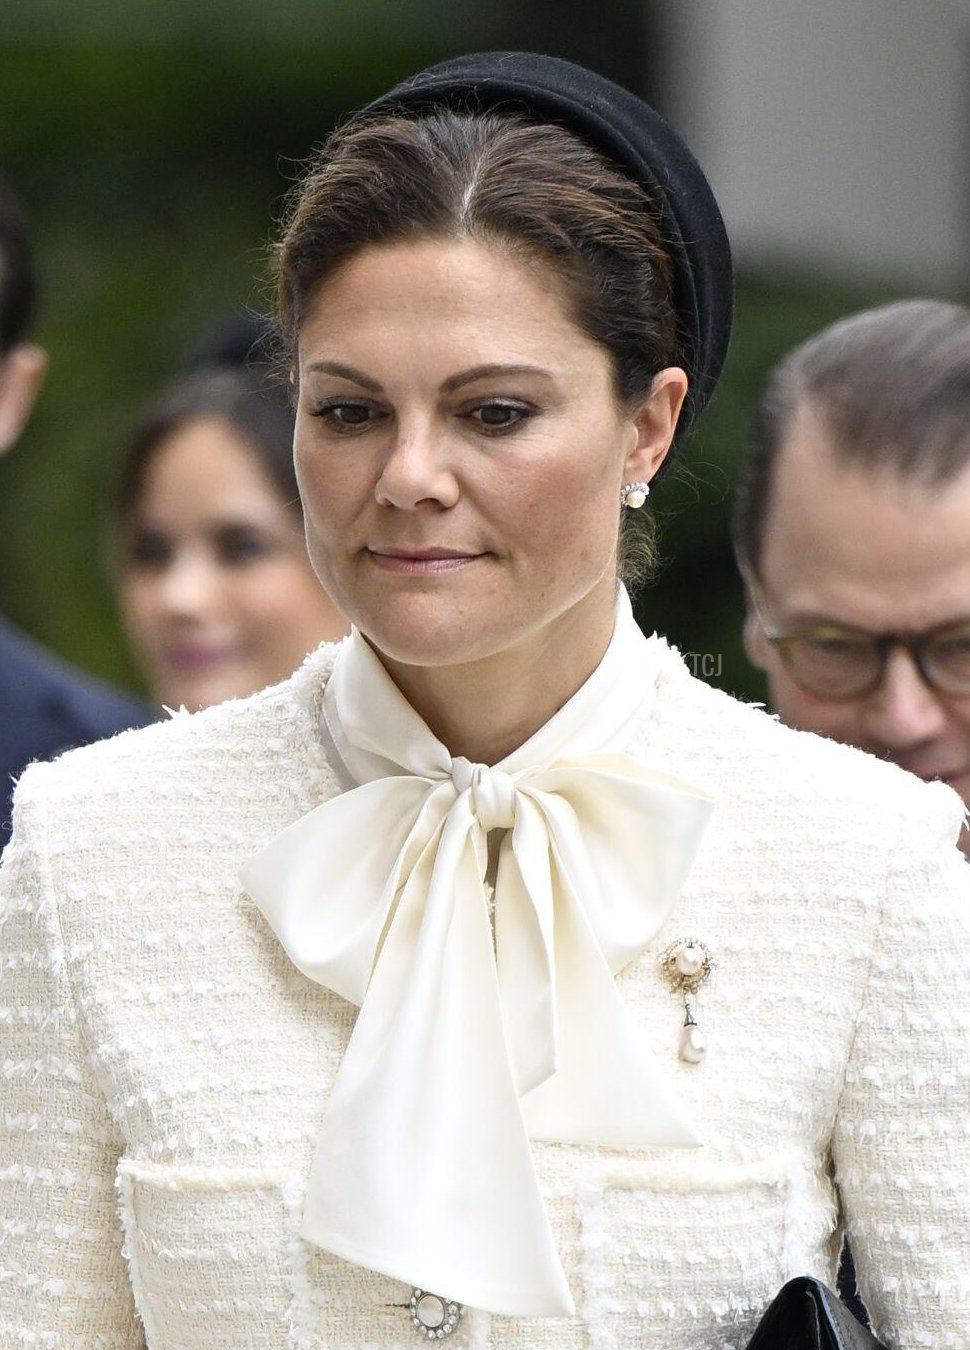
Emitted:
<point x="463" y="377"/>
<point x="489" y="371"/>
<point x="345" y="373"/>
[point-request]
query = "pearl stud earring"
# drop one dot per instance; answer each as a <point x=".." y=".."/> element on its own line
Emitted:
<point x="687" y="963"/>
<point x="634" y="494"/>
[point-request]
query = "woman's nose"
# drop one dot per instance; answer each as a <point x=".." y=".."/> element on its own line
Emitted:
<point x="418" y="469"/>
<point x="190" y="584"/>
<point x="904" y="711"/>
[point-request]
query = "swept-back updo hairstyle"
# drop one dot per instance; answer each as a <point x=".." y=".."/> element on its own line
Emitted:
<point x="469" y="149"/>
<point x="501" y="181"/>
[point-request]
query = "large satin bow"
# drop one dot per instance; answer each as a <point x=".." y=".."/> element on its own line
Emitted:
<point x="476" y="1034"/>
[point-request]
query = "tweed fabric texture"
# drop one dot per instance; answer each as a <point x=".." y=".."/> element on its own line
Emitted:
<point x="164" y="1067"/>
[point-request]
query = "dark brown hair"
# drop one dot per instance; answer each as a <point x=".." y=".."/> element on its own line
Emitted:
<point x="500" y="179"/>
<point x="257" y="408"/>
<point x="891" y="387"/>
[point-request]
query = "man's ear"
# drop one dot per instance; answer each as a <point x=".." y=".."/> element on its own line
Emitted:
<point x="655" y="422"/>
<point x="755" y="642"/>
<point x="22" y="372"/>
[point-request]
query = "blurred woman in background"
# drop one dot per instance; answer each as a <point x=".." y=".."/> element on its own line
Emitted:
<point x="216" y="592"/>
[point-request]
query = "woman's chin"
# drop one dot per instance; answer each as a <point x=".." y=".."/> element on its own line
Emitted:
<point x="197" y="694"/>
<point x="429" y="646"/>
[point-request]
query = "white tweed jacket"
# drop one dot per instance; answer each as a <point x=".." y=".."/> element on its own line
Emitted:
<point x="164" y="1068"/>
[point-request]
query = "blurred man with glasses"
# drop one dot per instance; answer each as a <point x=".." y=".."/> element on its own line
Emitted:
<point x="852" y="532"/>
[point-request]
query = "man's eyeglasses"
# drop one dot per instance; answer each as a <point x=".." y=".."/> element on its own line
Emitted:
<point x="831" y="662"/>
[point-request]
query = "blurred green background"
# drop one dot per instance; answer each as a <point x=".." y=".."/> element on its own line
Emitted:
<point x="152" y="148"/>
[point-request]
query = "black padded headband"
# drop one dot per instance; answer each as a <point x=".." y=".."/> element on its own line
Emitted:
<point x="635" y="138"/>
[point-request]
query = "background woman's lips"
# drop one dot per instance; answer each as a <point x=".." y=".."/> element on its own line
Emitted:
<point x="188" y="656"/>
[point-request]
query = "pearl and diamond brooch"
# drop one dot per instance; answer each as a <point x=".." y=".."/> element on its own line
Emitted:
<point x="686" y="964"/>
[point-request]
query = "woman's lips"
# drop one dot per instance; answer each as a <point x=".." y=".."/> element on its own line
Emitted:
<point x="421" y="562"/>
<point x="192" y="657"/>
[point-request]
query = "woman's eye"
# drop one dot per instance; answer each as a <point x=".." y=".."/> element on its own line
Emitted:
<point x="149" y="551"/>
<point x="499" y="415"/>
<point x="238" y="546"/>
<point x="342" y="415"/>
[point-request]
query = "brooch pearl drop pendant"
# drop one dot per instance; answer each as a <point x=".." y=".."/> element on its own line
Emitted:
<point x="687" y="963"/>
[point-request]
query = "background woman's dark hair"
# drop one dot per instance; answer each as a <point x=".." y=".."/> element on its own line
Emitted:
<point x="891" y="387"/>
<point x="255" y="405"/>
<point x="535" y="189"/>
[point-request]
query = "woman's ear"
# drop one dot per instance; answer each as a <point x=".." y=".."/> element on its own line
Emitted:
<point x="22" y="371"/>
<point x="656" y="421"/>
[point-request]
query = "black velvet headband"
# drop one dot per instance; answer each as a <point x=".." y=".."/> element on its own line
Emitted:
<point x="639" y="142"/>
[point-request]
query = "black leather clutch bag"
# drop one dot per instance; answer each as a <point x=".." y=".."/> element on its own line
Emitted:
<point x="805" y="1315"/>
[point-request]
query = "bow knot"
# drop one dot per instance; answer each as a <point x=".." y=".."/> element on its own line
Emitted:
<point x="474" y="1038"/>
<point x="492" y="793"/>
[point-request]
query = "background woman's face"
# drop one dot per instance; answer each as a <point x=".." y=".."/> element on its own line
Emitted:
<point x="217" y="593"/>
<point x="460" y="453"/>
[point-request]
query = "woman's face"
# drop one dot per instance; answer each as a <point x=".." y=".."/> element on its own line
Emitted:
<point x="217" y="593"/>
<point x="460" y="453"/>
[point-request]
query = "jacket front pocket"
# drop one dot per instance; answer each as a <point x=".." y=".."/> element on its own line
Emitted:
<point x="216" y="1260"/>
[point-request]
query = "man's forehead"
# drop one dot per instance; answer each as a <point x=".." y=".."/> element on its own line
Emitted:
<point x="861" y="544"/>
